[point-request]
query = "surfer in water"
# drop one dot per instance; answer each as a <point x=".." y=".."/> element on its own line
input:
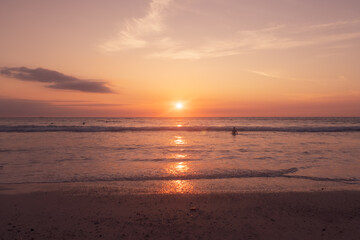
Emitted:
<point x="234" y="131"/>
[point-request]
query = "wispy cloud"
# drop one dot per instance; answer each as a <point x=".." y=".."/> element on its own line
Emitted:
<point x="56" y="79"/>
<point x="278" y="37"/>
<point x="269" y="75"/>
<point x="136" y="31"/>
<point x="334" y="24"/>
<point x="149" y="32"/>
<point x="278" y="76"/>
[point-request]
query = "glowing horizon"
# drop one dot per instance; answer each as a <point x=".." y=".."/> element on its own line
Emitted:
<point x="145" y="58"/>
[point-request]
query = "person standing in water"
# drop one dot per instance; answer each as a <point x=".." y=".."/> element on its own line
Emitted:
<point x="234" y="131"/>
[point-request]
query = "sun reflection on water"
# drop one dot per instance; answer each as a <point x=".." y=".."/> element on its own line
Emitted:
<point x="180" y="156"/>
<point x="179" y="168"/>
<point x="179" y="140"/>
<point x="177" y="186"/>
<point x="179" y="123"/>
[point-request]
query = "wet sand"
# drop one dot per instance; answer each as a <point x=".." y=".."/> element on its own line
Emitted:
<point x="100" y="214"/>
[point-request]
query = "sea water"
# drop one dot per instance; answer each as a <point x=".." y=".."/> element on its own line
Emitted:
<point x="183" y="154"/>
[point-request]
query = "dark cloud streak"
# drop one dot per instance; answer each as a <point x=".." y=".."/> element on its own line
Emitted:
<point x="56" y="79"/>
<point x="10" y="107"/>
<point x="29" y="108"/>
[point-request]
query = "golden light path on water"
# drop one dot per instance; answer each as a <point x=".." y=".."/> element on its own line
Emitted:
<point x="178" y="168"/>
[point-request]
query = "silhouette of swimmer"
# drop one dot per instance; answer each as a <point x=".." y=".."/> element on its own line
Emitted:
<point x="234" y="131"/>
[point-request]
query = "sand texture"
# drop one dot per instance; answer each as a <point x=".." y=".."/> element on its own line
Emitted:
<point x="70" y="215"/>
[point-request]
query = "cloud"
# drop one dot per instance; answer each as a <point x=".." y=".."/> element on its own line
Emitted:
<point x="29" y="108"/>
<point x="57" y="80"/>
<point x="12" y="107"/>
<point x="149" y="32"/>
<point x="334" y="24"/>
<point x="278" y="37"/>
<point x="275" y="76"/>
<point x="92" y="105"/>
<point x="136" y="30"/>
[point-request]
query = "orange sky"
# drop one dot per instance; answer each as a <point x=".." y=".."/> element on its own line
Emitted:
<point x="140" y="57"/>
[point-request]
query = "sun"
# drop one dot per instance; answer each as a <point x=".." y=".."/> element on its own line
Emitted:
<point x="179" y="105"/>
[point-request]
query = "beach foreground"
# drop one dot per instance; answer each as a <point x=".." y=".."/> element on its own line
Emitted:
<point x="100" y="214"/>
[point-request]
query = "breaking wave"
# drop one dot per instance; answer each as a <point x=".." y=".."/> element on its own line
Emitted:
<point x="236" y="173"/>
<point x="54" y="128"/>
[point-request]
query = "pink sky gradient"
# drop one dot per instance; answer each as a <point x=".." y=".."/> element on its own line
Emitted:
<point x="139" y="57"/>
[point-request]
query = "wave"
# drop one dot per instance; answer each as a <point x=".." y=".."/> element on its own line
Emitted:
<point x="54" y="128"/>
<point x="233" y="174"/>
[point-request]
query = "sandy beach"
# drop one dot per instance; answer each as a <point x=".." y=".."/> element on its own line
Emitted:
<point x="101" y="214"/>
<point x="179" y="120"/>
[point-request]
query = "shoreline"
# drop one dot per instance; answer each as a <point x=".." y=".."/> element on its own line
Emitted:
<point x="197" y="186"/>
<point x="99" y="212"/>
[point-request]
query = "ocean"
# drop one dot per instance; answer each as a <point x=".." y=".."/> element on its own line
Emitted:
<point x="183" y="154"/>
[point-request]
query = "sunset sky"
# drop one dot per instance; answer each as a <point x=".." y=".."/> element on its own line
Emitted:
<point x="132" y="58"/>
